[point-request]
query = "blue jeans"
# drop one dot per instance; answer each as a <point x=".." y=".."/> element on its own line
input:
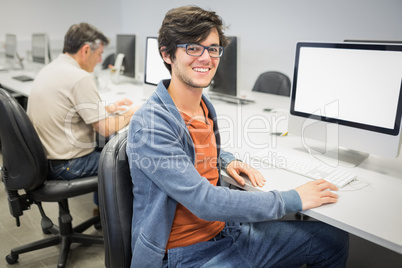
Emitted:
<point x="267" y="244"/>
<point x="80" y="167"/>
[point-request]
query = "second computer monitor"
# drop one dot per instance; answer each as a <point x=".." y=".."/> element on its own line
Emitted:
<point x="40" y="49"/>
<point x="125" y="44"/>
<point x="155" y="70"/>
<point x="11" y="46"/>
<point x="225" y="80"/>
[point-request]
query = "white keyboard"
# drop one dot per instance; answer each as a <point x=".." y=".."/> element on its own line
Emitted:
<point x="310" y="168"/>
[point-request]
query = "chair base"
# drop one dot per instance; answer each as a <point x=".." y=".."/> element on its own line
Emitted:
<point x="65" y="242"/>
<point x="64" y="235"/>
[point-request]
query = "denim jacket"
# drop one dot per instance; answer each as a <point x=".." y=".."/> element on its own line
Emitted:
<point x="162" y="166"/>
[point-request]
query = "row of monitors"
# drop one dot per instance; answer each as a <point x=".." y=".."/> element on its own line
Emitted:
<point x="125" y="44"/>
<point x="40" y="48"/>
<point x="225" y="79"/>
<point x="355" y="85"/>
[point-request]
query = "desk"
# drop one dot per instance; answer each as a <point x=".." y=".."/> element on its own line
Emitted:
<point x="126" y="88"/>
<point x="108" y="91"/>
<point x="8" y="82"/>
<point x="373" y="213"/>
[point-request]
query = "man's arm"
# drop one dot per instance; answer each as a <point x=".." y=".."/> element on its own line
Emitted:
<point x="312" y="194"/>
<point x="111" y="124"/>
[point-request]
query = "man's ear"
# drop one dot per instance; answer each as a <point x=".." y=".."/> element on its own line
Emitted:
<point x="165" y="56"/>
<point x="82" y="54"/>
<point x="86" y="49"/>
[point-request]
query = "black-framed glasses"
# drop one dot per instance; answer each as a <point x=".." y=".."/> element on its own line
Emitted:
<point x="197" y="50"/>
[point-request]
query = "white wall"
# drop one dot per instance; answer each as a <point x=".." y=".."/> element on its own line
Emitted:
<point x="54" y="17"/>
<point x="267" y="29"/>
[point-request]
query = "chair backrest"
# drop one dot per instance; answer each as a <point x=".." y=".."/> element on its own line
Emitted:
<point x="109" y="60"/>
<point x="273" y="82"/>
<point x="24" y="158"/>
<point x="116" y="202"/>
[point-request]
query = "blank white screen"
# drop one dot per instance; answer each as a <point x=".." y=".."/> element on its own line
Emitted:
<point x="365" y="84"/>
<point x="155" y="70"/>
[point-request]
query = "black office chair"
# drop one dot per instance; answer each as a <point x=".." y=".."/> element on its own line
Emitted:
<point x="109" y="60"/>
<point x="273" y="82"/>
<point x="116" y="202"/>
<point x="24" y="174"/>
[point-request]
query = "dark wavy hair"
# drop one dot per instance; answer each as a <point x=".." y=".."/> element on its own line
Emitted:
<point x="80" y="34"/>
<point x="188" y="24"/>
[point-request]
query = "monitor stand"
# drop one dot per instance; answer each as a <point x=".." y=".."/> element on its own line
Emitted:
<point x="334" y="155"/>
<point x="14" y="64"/>
<point x="117" y="69"/>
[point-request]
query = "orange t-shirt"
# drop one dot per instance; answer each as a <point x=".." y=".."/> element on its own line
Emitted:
<point x="188" y="229"/>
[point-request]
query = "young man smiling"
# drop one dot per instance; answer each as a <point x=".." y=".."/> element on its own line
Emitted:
<point x="181" y="216"/>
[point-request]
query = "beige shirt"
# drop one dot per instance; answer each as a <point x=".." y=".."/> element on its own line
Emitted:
<point x="62" y="105"/>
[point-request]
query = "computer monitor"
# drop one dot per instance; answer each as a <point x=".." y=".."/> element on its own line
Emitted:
<point x="348" y="97"/>
<point x="225" y="79"/>
<point x="11" y="46"/>
<point x="125" y="46"/>
<point x="12" y="59"/>
<point x="155" y="69"/>
<point x="40" y="48"/>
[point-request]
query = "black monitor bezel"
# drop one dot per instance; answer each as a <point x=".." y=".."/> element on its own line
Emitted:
<point x="129" y="70"/>
<point x="390" y="131"/>
<point x="225" y="79"/>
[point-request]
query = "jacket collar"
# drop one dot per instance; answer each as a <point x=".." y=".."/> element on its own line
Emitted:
<point x="166" y="99"/>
